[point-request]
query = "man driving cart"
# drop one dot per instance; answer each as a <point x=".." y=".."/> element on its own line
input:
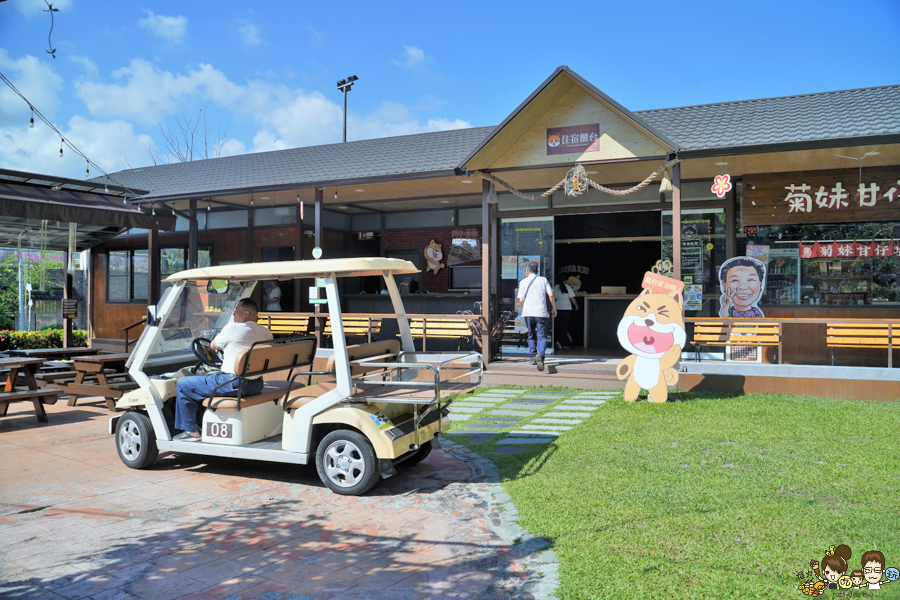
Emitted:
<point x="234" y="339"/>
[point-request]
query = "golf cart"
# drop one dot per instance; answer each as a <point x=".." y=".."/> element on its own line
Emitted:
<point x="358" y="411"/>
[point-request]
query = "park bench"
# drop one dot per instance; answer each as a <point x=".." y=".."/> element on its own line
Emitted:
<point x="862" y="335"/>
<point x="751" y="332"/>
<point x="286" y="323"/>
<point x="30" y="392"/>
<point x="441" y="328"/>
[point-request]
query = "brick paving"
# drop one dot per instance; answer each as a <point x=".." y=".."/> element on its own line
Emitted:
<point x="76" y="523"/>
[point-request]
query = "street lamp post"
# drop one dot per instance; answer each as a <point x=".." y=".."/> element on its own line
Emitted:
<point x="344" y="85"/>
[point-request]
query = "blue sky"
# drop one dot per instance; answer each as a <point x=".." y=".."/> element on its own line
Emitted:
<point x="264" y="73"/>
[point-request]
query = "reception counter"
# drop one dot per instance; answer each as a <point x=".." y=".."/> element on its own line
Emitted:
<point x="602" y="313"/>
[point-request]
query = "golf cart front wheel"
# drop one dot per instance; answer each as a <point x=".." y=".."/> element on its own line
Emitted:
<point x="346" y="463"/>
<point x="136" y="441"/>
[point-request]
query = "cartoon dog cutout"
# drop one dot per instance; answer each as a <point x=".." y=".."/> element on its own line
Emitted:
<point x="553" y="140"/>
<point x="433" y="256"/>
<point x="652" y="329"/>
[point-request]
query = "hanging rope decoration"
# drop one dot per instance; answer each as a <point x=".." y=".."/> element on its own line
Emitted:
<point x="577" y="178"/>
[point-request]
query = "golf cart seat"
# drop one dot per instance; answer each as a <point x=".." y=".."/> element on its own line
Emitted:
<point x="249" y="418"/>
<point x="390" y="349"/>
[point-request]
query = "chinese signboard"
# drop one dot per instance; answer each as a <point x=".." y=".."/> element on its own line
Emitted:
<point x="849" y="249"/>
<point x="822" y="197"/>
<point x="574" y="139"/>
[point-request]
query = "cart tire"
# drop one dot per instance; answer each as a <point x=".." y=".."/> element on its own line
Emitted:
<point x="420" y="455"/>
<point x="136" y="440"/>
<point x="346" y="463"/>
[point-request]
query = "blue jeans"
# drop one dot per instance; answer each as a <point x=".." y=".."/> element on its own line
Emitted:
<point x="537" y="335"/>
<point x="192" y="391"/>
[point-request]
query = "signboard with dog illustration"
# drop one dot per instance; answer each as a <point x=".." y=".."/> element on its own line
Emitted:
<point x="652" y="330"/>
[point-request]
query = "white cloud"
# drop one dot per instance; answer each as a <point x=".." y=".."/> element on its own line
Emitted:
<point x="35" y="79"/>
<point x="171" y="28"/>
<point x="412" y="57"/>
<point x="89" y="66"/>
<point x="250" y="34"/>
<point x="30" y="8"/>
<point x="316" y="38"/>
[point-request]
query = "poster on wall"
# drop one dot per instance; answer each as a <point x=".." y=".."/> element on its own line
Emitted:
<point x="693" y="297"/>
<point x="743" y="283"/>
<point x="509" y="267"/>
<point x="760" y="253"/>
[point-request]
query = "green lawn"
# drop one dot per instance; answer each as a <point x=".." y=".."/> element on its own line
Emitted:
<point x="710" y="497"/>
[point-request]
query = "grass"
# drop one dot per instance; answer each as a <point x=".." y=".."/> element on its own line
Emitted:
<point x="709" y="497"/>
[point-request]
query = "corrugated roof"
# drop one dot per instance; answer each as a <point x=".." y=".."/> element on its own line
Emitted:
<point x="421" y="153"/>
<point x="837" y="115"/>
<point x="765" y="123"/>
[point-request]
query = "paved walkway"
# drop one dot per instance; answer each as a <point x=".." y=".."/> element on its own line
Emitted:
<point x="76" y="523"/>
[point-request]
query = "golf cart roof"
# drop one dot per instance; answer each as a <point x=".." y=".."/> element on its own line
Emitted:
<point x="342" y="267"/>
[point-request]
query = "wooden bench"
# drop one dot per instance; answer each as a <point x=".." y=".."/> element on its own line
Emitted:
<point x="752" y="332"/>
<point x="367" y="327"/>
<point x="59" y="377"/>
<point x="286" y="323"/>
<point x="440" y="328"/>
<point x="863" y="335"/>
<point x="26" y="367"/>
<point x="111" y="386"/>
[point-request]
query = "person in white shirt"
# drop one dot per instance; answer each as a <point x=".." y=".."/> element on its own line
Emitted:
<point x="532" y="296"/>
<point x="272" y="297"/>
<point x="233" y="340"/>
<point x="565" y="304"/>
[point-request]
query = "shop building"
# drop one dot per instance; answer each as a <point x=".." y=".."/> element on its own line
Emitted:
<point x="813" y="178"/>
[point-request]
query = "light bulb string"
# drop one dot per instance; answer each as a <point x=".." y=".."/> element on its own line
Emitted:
<point x="63" y="139"/>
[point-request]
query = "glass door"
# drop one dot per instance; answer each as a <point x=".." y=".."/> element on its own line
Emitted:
<point x="702" y="252"/>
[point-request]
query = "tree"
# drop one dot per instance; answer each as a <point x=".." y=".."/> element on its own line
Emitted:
<point x="31" y="273"/>
<point x="190" y="140"/>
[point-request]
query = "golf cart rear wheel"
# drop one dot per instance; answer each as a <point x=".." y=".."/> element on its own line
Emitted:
<point x="346" y="463"/>
<point x="136" y="441"/>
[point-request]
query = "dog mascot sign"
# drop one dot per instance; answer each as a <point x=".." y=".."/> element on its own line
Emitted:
<point x="653" y="331"/>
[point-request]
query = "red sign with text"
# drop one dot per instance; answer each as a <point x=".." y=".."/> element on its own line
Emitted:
<point x="849" y="249"/>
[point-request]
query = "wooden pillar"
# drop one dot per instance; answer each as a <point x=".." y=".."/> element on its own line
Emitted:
<point x="192" y="237"/>
<point x="298" y="288"/>
<point x="495" y="259"/>
<point x="320" y="193"/>
<point x="67" y="323"/>
<point x="485" y="272"/>
<point x="676" y="221"/>
<point x="153" y="266"/>
<point x="249" y="252"/>
<point x="730" y="223"/>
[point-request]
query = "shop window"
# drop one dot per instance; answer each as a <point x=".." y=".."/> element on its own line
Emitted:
<point x="118" y="280"/>
<point x="469" y="216"/>
<point x="702" y="253"/>
<point x="127" y="270"/>
<point x="228" y="219"/>
<point x="334" y="220"/>
<point x="182" y="224"/>
<point x="275" y="215"/>
<point x="366" y="222"/>
<point x="418" y="220"/>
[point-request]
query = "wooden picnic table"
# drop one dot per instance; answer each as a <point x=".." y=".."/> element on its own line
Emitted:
<point x="51" y="353"/>
<point x="26" y="367"/>
<point x="92" y="378"/>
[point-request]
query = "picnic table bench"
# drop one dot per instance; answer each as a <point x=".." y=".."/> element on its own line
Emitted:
<point x="55" y="353"/>
<point x="26" y="367"/>
<point x="92" y="378"/>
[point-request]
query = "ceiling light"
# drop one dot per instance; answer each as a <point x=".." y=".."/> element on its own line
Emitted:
<point x="445" y="202"/>
<point x="466" y="181"/>
<point x="721" y="164"/>
<point x="358" y="190"/>
<point x="872" y="153"/>
<point x="592" y="172"/>
<point x="266" y="198"/>
<point x="342" y="207"/>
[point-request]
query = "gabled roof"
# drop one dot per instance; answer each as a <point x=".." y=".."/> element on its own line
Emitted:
<point x="563" y="70"/>
<point x="868" y="115"/>
<point x="408" y="156"/>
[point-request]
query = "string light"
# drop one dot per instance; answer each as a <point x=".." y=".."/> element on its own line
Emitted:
<point x="208" y="206"/>
<point x="60" y="148"/>
<point x="31" y="121"/>
<point x="87" y="170"/>
<point x="152" y="210"/>
<point x="335" y="192"/>
<point x="173" y="211"/>
<point x="106" y="185"/>
<point x="251" y="199"/>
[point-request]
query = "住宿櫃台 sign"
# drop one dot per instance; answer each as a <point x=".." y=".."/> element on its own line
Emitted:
<point x="574" y="139"/>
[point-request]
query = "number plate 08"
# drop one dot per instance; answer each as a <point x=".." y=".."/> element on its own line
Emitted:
<point x="220" y="430"/>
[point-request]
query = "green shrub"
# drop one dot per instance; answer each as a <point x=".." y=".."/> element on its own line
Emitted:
<point x="26" y="340"/>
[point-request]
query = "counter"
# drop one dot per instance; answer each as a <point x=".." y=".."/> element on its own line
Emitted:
<point x="602" y="313"/>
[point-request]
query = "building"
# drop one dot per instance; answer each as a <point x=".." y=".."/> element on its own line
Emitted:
<point x="816" y="173"/>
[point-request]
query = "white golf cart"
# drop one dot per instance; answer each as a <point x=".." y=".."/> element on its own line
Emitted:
<point x="359" y="411"/>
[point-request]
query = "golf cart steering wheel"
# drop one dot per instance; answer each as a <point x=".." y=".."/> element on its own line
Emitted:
<point x="203" y="351"/>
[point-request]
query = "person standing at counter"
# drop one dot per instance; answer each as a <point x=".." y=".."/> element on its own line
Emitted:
<point x="565" y="304"/>
<point x="272" y="296"/>
<point x="532" y="298"/>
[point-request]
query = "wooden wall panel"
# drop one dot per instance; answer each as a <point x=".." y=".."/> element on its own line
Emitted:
<point x="850" y="389"/>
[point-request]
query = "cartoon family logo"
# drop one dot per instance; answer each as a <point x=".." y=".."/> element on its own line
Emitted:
<point x="834" y="572"/>
<point x="553" y="140"/>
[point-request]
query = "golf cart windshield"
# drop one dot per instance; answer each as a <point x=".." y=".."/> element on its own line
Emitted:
<point x="198" y="313"/>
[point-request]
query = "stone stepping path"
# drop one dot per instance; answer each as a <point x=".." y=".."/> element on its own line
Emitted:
<point x="558" y="421"/>
<point x="567" y="414"/>
<point x="498" y="420"/>
<point x="512" y="413"/>
<point x="541" y="435"/>
<point x="511" y="406"/>
<point x="539" y="397"/>
<point x="473" y="404"/>
<point x="513" y="441"/>
<point x="584" y="402"/>
<point x="474" y="431"/>
<point x="459" y="416"/>
<point x="547" y="427"/>
<point x="468" y="409"/>
<point x="576" y="407"/>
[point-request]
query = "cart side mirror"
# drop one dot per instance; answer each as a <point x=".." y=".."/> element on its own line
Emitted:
<point x="152" y="318"/>
<point x="217" y="286"/>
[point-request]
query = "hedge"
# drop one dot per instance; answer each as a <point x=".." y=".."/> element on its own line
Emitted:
<point x="26" y="340"/>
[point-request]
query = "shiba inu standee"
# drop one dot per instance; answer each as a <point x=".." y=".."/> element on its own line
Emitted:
<point x="653" y="331"/>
